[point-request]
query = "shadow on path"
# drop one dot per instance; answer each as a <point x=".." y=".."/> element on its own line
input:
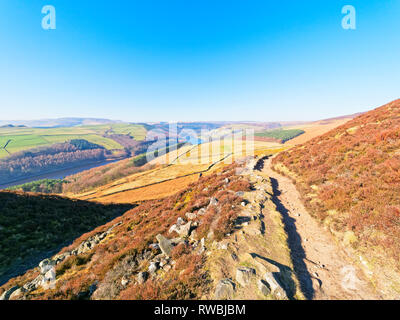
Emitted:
<point x="297" y="253"/>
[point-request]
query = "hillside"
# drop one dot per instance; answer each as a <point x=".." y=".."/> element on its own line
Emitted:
<point x="349" y="179"/>
<point x="34" y="226"/>
<point x="200" y="242"/>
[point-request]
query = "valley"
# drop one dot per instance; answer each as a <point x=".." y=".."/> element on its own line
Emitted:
<point x="213" y="221"/>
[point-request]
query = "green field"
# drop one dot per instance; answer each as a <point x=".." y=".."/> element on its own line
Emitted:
<point x="27" y="138"/>
<point x="280" y="134"/>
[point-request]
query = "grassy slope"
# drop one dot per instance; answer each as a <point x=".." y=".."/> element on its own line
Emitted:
<point x="34" y="225"/>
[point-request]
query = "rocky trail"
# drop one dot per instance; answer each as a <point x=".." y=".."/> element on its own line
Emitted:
<point x="322" y="266"/>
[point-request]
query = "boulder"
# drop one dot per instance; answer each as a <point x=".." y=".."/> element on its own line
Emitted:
<point x="225" y="289"/>
<point x="201" y="211"/>
<point x="264" y="289"/>
<point x="7" y="294"/>
<point x="244" y="275"/>
<point x="46" y="265"/>
<point x="184" y="230"/>
<point x="153" y="267"/>
<point x="16" y="293"/>
<point x="276" y="288"/>
<point x="165" y="245"/>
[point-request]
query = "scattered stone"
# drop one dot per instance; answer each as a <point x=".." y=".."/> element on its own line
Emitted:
<point x="234" y="257"/>
<point x="165" y="244"/>
<point x="124" y="281"/>
<point x="180" y="221"/>
<point x="213" y="201"/>
<point x="191" y="215"/>
<point x="142" y="277"/>
<point x="243" y="204"/>
<point x="239" y="193"/>
<point x="184" y="230"/>
<point x="274" y="285"/>
<point x="244" y="275"/>
<point x="167" y="268"/>
<point x="202" y="211"/>
<point x="226" y="180"/>
<point x="263" y="287"/>
<point x="225" y="289"/>
<point x="153" y="267"/>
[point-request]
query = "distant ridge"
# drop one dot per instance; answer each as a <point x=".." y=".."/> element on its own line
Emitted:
<point x="58" y="122"/>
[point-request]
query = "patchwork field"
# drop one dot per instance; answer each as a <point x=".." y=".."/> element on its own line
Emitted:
<point x="16" y="139"/>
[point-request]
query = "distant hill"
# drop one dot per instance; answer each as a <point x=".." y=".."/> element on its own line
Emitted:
<point x="349" y="178"/>
<point x="60" y="122"/>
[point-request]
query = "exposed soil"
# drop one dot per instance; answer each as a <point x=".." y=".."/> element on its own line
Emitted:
<point x="322" y="266"/>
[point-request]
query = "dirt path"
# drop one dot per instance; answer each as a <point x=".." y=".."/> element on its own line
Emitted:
<point x="321" y="265"/>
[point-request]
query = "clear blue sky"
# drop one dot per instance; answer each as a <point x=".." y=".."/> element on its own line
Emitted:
<point x="197" y="60"/>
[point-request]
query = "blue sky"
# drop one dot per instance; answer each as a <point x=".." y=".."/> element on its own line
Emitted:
<point x="191" y="60"/>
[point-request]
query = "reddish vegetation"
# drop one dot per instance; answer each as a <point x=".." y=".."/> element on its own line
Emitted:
<point x="355" y="170"/>
<point x="131" y="240"/>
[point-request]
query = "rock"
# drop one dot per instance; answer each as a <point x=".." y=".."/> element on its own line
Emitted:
<point x="213" y="201"/>
<point x="243" y="204"/>
<point x="180" y="222"/>
<point x="239" y="193"/>
<point x="184" y="230"/>
<point x="155" y="246"/>
<point x="225" y="289"/>
<point x="167" y="268"/>
<point x="210" y="235"/>
<point x="124" y="281"/>
<point x="202" y="211"/>
<point x="153" y="267"/>
<point x="244" y="275"/>
<point x="191" y="215"/>
<point x="193" y="235"/>
<point x="263" y="287"/>
<point x="226" y="180"/>
<point x="50" y="275"/>
<point x="174" y="228"/>
<point x="165" y="244"/>
<point x="274" y="285"/>
<point x="142" y="277"/>
<point x="16" y="293"/>
<point x="163" y="262"/>
<point x="7" y="294"/>
<point x="46" y="265"/>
